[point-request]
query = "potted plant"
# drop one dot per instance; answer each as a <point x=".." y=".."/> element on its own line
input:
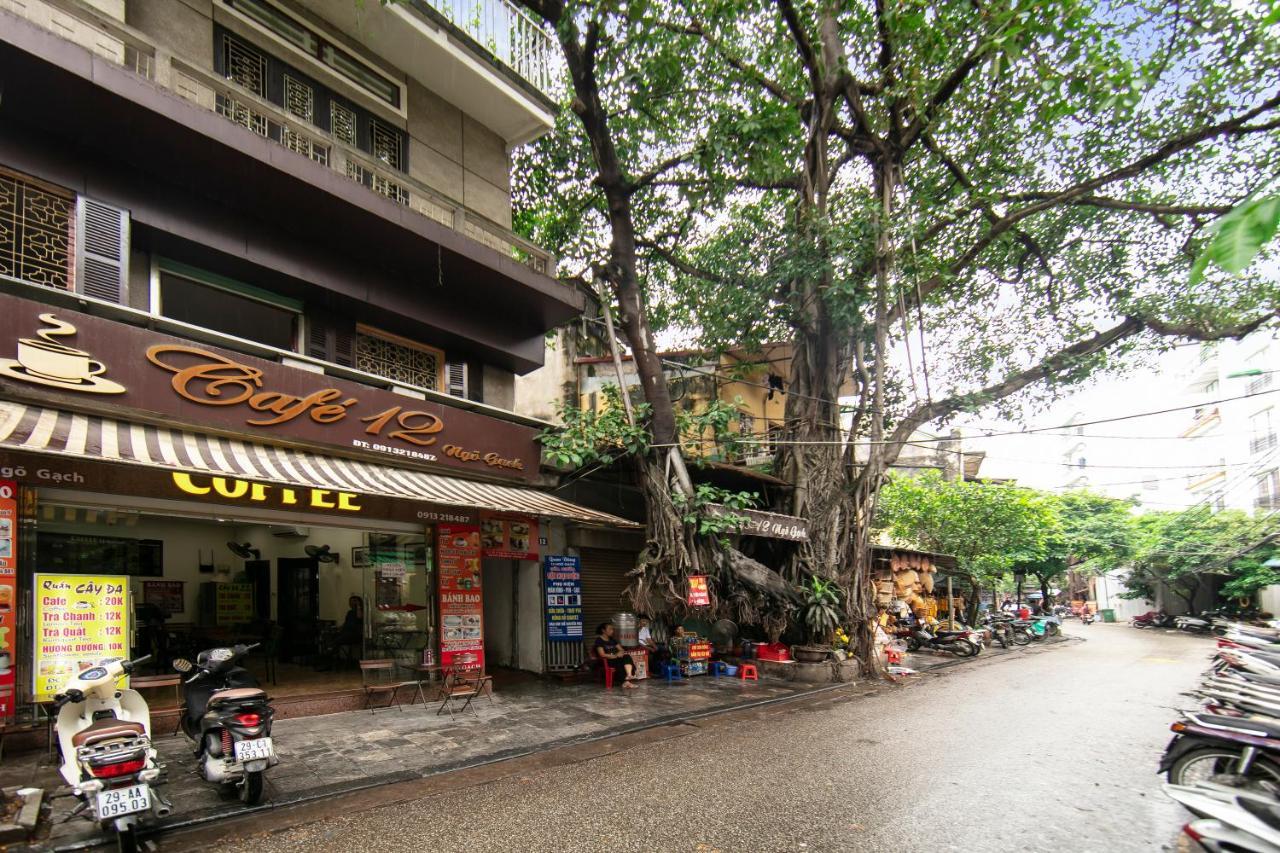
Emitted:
<point x="821" y="613"/>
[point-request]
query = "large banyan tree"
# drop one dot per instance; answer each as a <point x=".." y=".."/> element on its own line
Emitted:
<point x="944" y="207"/>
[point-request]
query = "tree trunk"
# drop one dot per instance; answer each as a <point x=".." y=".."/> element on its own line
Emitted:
<point x="971" y="611"/>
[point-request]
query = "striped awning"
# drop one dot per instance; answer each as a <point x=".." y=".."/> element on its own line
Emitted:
<point x="43" y="430"/>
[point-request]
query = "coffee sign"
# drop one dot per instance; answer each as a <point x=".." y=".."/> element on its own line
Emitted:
<point x="89" y="362"/>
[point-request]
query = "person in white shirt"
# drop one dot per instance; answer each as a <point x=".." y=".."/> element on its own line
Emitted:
<point x="645" y="637"/>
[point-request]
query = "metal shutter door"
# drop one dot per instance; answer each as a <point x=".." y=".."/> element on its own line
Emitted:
<point x="604" y="577"/>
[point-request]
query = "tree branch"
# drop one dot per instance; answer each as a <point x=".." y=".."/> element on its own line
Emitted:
<point x="1202" y="331"/>
<point x="1135" y="206"/>
<point x="1060" y="361"/>
<point x="803" y="45"/>
<point x="939" y="99"/>
<point x="1236" y="126"/>
<point x="666" y="165"/>
<point x="768" y="84"/>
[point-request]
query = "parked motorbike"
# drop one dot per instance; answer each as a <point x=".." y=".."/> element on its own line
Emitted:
<point x="1152" y="619"/>
<point x="1223" y="762"/>
<point x="104" y="733"/>
<point x="955" y="642"/>
<point x="1234" y="819"/>
<point x="1208" y="622"/>
<point x="1088" y="617"/>
<point x="229" y="718"/>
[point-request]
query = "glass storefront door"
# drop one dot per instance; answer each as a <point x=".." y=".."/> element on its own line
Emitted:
<point x="399" y="573"/>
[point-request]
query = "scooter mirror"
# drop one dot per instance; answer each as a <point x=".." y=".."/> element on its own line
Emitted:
<point x="182" y="665"/>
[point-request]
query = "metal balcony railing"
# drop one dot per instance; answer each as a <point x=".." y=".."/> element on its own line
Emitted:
<point x="510" y="33"/>
<point x="1267" y="502"/>
<point x="1258" y="384"/>
<point x="126" y="46"/>
<point x="1259" y="443"/>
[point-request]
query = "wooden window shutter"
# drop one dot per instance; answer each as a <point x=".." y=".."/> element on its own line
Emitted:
<point x="331" y="339"/>
<point x="456" y="378"/>
<point x="102" y="250"/>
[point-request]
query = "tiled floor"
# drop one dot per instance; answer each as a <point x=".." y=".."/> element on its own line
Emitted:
<point x="328" y="754"/>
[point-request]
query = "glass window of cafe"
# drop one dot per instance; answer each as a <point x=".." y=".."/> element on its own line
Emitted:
<point x="318" y="598"/>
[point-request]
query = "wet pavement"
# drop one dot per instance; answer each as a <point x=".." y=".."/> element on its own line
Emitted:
<point x="337" y="753"/>
<point x="1050" y="748"/>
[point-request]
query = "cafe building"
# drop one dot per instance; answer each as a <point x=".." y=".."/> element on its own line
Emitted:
<point x="261" y="312"/>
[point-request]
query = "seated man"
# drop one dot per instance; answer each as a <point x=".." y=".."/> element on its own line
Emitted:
<point x="610" y="654"/>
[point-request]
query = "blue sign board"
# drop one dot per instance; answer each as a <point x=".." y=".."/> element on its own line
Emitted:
<point x="562" y="585"/>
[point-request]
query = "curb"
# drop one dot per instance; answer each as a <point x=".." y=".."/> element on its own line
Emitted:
<point x="158" y="830"/>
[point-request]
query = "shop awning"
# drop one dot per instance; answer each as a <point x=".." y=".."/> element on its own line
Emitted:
<point x="54" y="431"/>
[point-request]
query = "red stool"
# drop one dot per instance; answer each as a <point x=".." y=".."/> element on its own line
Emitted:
<point x="748" y="670"/>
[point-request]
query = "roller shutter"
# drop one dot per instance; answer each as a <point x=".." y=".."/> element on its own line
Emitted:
<point x="604" y="577"/>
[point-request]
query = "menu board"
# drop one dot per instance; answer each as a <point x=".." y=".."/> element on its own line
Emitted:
<point x="8" y="594"/>
<point x="562" y="586"/>
<point x="699" y="595"/>
<point x="167" y="595"/>
<point x="234" y="603"/>
<point x="79" y="620"/>
<point x="461" y="604"/>
<point x="513" y="537"/>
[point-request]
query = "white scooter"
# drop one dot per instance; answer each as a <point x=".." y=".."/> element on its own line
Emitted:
<point x="107" y="759"/>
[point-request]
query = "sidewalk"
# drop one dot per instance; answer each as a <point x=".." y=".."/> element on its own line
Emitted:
<point x="336" y="753"/>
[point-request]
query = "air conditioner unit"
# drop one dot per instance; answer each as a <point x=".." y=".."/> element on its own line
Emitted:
<point x="291" y="531"/>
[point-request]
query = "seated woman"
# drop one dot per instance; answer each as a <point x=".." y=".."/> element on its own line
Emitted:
<point x="609" y="652"/>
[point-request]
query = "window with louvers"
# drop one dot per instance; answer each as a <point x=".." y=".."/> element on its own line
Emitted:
<point x="103" y="250"/>
<point x="284" y="85"/>
<point x="36" y="232"/>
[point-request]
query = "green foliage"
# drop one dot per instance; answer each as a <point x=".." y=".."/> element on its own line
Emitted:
<point x="1237" y="238"/>
<point x="988" y="527"/>
<point x="694" y="510"/>
<point x="715" y="421"/>
<point x="1183" y="550"/>
<point x="588" y="437"/>
<point x="820" y="609"/>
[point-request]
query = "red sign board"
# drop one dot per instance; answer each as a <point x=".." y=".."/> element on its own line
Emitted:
<point x="513" y="537"/>
<point x="699" y="595"/>
<point x="8" y="594"/>
<point x="461" y="601"/>
<point x="167" y="595"/>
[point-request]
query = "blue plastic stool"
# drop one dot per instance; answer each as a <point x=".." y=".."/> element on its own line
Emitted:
<point x="672" y="672"/>
<point x="719" y="668"/>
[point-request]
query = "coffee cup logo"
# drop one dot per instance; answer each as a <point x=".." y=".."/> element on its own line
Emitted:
<point x="49" y="359"/>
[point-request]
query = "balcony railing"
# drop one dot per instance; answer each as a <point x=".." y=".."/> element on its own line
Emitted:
<point x="1258" y="384"/>
<point x="125" y="46"/>
<point x="1267" y="502"/>
<point x="510" y="33"/>
<point x="1259" y="443"/>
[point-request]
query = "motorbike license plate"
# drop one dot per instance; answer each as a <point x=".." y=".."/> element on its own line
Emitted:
<point x="115" y="802"/>
<point x="251" y="750"/>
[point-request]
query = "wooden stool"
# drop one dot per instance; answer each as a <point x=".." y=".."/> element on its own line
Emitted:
<point x="748" y="670"/>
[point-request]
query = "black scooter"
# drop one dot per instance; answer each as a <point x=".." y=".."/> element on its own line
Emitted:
<point x="229" y="718"/>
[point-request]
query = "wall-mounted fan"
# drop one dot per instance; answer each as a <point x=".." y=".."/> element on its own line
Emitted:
<point x="244" y="551"/>
<point x="323" y="553"/>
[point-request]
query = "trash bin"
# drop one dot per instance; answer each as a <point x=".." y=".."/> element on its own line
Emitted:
<point x="1108" y="615"/>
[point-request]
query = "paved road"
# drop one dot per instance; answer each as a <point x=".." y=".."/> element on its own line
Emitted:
<point x="1051" y="750"/>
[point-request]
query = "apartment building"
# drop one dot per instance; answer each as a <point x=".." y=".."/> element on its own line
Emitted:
<point x="261" y="313"/>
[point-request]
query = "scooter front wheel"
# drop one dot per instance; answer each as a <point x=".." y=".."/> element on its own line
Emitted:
<point x="251" y="788"/>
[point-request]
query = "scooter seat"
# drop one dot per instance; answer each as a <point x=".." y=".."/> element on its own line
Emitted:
<point x="106" y="729"/>
<point x="1268" y="728"/>
<point x="237" y="694"/>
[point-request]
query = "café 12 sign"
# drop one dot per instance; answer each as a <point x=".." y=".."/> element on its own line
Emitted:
<point x="103" y="364"/>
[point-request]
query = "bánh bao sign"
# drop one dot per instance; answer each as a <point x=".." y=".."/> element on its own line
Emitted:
<point x="105" y="364"/>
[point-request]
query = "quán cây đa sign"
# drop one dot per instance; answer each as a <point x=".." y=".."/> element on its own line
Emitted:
<point x="99" y="364"/>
